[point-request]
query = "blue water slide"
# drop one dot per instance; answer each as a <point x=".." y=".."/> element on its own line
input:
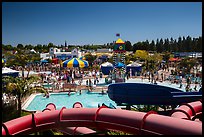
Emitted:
<point x="149" y="94"/>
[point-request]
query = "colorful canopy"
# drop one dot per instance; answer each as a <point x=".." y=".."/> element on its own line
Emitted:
<point x="55" y="60"/>
<point x="9" y="72"/>
<point x="82" y="58"/>
<point x="3" y="61"/>
<point x="119" y="65"/>
<point x="134" y="64"/>
<point x="75" y="62"/>
<point x="44" y="61"/>
<point x="120" y="41"/>
<point x="174" y="59"/>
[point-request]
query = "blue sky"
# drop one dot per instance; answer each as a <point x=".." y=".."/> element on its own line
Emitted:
<point x="81" y="23"/>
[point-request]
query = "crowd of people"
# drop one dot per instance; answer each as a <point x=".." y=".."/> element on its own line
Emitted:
<point x="168" y="74"/>
<point x="58" y="75"/>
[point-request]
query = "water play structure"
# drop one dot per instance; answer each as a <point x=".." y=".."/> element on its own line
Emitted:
<point x="119" y="61"/>
<point x="78" y="120"/>
<point x="149" y="94"/>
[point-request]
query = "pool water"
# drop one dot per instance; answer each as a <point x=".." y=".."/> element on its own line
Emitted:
<point x="88" y="100"/>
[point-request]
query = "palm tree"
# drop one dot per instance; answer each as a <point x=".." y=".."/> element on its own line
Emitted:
<point x="20" y="58"/>
<point x="152" y="62"/>
<point x="20" y="87"/>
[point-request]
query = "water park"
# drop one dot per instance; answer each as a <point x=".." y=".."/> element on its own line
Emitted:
<point x="117" y="98"/>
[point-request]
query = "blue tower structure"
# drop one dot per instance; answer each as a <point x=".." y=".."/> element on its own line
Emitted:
<point x="119" y="58"/>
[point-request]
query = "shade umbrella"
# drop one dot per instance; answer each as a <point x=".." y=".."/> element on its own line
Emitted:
<point x="9" y="72"/>
<point x="55" y="60"/>
<point x="44" y="61"/>
<point x="82" y="58"/>
<point x="173" y="59"/>
<point x="75" y="62"/>
<point x="134" y="64"/>
<point x="3" y="61"/>
<point x="106" y="68"/>
<point x="119" y="65"/>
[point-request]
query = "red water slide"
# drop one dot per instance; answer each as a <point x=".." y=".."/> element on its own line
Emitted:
<point x="189" y="111"/>
<point x="102" y="119"/>
<point x="71" y="130"/>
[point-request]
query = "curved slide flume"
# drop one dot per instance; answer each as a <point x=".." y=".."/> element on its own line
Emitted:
<point x="149" y="94"/>
<point x="77" y="130"/>
<point x="102" y="118"/>
<point x="70" y="130"/>
<point x="188" y="111"/>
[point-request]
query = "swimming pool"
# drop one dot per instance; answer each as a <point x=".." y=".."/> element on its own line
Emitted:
<point x="88" y="100"/>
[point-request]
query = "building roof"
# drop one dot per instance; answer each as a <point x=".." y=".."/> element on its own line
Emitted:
<point x="120" y="41"/>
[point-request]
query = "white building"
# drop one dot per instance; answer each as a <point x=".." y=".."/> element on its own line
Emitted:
<point x="45" y="56"/>
<point x="104" y="50"/>
<point x="57" y="53"/>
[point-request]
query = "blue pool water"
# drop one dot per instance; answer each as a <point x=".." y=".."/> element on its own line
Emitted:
<point x="88" y="100"/>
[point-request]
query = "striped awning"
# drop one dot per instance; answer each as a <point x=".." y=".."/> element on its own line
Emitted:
<point x="74" y="62"/>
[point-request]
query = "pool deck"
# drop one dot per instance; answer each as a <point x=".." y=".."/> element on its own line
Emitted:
<point x="28" y="101"/>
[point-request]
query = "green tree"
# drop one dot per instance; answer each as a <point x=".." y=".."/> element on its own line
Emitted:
<point x="171" y="44"/>
<point x="141" y="54"/>
<point x="90" y="58"/>
<point x="180" y="44"/>
<point x="138" y="46"/>
<point x="7" y="47"/>
<point x="19" y="59"/>
<point x="189" y="45"/>
<point x="152" y="46"/>
<point x="21" y="87"/>
<point x="175" y="46"/>
<point x="128" y="46"/>
<point x="166" y="45"/>
<point x="35" y="57"/>
<point x="38" y="48"/>
<point x="20" y="46"/>
<point x="147" y="45"/>
<point x="199" y="44"/>
<point x="188" y="63"/>
<point x="152" y="62"/>
<point x="50" y="45"/>
<point x="127" y="59"/>
<point x="29" y="47"/>
<point x="45" y="48"/>
<point x="166" y="56"/>
<point x="159" y="45"/>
